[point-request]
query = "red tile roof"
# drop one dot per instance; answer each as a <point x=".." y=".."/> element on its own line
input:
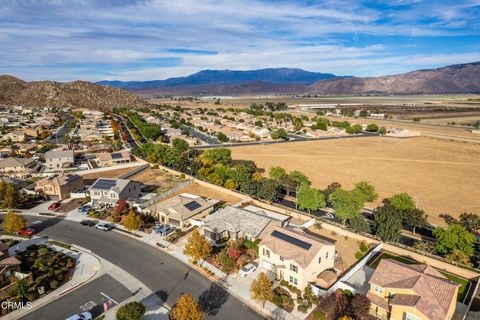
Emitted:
<point x="434" y="291"/>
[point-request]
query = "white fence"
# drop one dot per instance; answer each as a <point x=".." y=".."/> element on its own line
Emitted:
<point x="78" y="195"/>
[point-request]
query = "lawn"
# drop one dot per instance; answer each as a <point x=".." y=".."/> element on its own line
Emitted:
<point x="385" y="255"/>
<point x="464" y="283"/>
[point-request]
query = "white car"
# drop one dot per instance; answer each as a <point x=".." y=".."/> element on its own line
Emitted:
<point x="81" y="316"/>
<point x="104" y="226"/>
<point x="246" y="270"/>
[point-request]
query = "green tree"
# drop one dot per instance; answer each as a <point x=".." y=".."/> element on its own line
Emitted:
<point x="11" y="199"/>
<point x="299" y="178"/>
<point x="276" y="173"/>
<point x="180" y="145"/>
<point x="218" y="155"/>
<point x="222" y="137"/>
<point x="359" y="224"/>
<point x="366" y="190"/>
<point x="197" y="246"/>
<point x="387" y="222"/>
<point x="269" y="190"/>
<point x="402" y="201"/>
<point x="261" y="289"/>
<point x="454" y="237"/>
<point x="310" y="198"/>
<point x="19" y="291"/>
<point x="297" y="124"/>
<point x="382" y="130"/>
<point x="279" y="134"/>
<point x="133" y="221"/>
<point x="372" y="127"/>
<point x="14" y="222"/>
<point x="186" y="308"/>
<point x="227" y="263"/>
<point x="230" y="184"/>
<point x="470" y="221"/>
<point x="347" y="204"/>
<point x="131" y="311"/>
<point x="415" y="218"/>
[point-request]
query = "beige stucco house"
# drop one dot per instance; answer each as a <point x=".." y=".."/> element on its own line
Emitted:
<point x="294" y="256"/>
<point x="58" y="159"/>
<point x="400" y="291"/>
<point x="178" y="210"/>
<point x="60" y="186"/>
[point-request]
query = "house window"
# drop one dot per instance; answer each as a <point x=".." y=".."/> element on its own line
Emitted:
<point x="266" y="252"/>
<point x="281" y="258"/>
<point x="293" y="280"/>
<point x="293" y="268"/>
<point x="409" y="316"/>
<point x="378" y="289"/>
<point x="319" y="259"/>
<point x="326" y="256"/>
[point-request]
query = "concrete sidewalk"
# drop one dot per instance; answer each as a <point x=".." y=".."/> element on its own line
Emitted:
<point x="86" y="268"/>
<point x="155" y="307"/>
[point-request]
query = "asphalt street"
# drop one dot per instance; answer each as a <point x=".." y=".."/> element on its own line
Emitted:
<point x="164" y="275"/>
<point x="89" y="297"/>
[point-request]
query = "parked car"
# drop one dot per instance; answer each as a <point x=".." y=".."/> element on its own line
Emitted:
<point x="104" y="226"/>
<point x="85" y="208"/>
<point x="246" y="270"/>
<point x="81" y="316"/>
<point x="54" y="205"/>
<point x="27" y="232"/>
<point x="163" y="229"/>
<point x="88" y="223"/>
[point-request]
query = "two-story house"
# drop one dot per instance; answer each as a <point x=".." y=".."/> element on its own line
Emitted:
<point x="60" y="186"/>
<point x="58" y="159"/>
<point x="17" y="167"/>
<point x="400" y="291"/>
<point x="295" y="257"/>
<point x="108" y="191"/>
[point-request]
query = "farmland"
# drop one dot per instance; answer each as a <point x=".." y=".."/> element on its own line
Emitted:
<point x="442" y="175"/>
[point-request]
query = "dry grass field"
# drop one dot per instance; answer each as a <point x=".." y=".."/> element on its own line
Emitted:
<point x="158" y="180"/>
<point x="443" y="175"/>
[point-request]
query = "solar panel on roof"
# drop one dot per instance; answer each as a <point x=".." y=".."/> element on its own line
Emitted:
<point x="291" y="240"/>
<point x="116" y="155"/>
<point x="104" y="184"/>
<point x="193" y="205"/>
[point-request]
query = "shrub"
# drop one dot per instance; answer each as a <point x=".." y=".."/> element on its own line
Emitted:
<point x="318" y="315"/>
<point x="54" y="284"/>
<point x="284" y="283"/>
<point x="32" y="247"/>
<point x="363" y="246"/>
<point x="285" y="299"/>
<point x="347" y="293"/>
<point x="358" y="255"/>
<point x="302" y="308"/>
<point x="117" y="218"/>
<point x="277" y="300"/>
<point x="131" y="311"/>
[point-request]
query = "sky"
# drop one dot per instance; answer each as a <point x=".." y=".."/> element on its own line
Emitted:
<point x="95" y="40"/>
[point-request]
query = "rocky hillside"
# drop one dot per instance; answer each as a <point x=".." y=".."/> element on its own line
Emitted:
<point x="462" y="78"/>
<point x="14" y="91"/>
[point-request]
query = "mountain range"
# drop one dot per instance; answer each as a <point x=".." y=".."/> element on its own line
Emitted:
<point x="14" y="91"/>
<point x="461" y="78"/>
<point x="227" y="77"/>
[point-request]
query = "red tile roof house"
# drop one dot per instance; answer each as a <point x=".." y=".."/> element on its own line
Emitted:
<point x="400" y="291"/>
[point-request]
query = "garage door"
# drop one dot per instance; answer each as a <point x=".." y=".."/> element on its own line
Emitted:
<point x="174" y="222"/>
<point x="267" y="265"/>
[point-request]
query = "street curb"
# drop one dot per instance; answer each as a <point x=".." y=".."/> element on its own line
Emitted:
<point x="61" y="294"/>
